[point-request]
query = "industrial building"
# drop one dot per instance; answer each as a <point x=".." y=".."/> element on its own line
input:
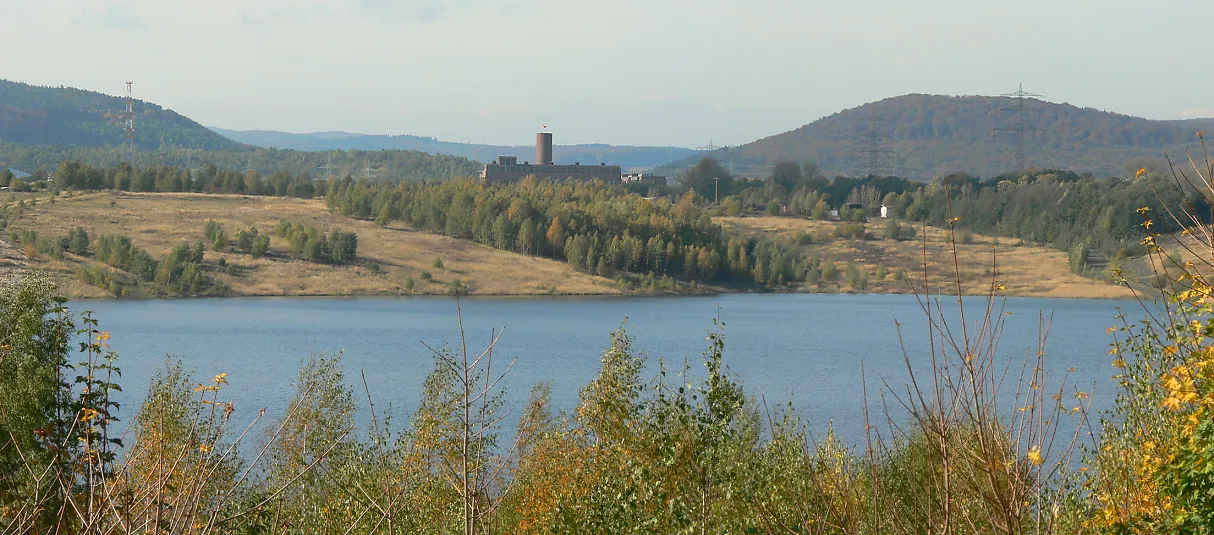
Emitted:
<point x="507" y="168"/>
<point x="645" y="178"/>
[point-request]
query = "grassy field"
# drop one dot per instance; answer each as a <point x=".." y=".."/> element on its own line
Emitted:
<point x="159" y="222"/>
<point x="1022" y="270"/>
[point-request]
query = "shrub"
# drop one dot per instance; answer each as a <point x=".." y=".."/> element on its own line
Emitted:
<point x="76" y="241"/>
<point x="965" y="237"/>
<point x="252" y="242"/>
<point x="830" y="272"/>
<point x="313" y="244"/>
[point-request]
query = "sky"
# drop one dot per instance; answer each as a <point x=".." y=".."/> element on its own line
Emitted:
<point x="625" y="72"/>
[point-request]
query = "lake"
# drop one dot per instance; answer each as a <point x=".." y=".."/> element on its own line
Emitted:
<point x="803" y="348"/>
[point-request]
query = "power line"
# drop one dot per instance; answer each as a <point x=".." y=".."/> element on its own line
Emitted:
<point x="1020" y="125"/>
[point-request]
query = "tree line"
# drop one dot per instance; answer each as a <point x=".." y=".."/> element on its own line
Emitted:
<point x="595" y="227"/>
<point x="386" y="165"/>
<point x="1059" y="208"/>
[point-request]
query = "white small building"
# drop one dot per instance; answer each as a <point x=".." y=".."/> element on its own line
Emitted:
<point x="884" y="211"/>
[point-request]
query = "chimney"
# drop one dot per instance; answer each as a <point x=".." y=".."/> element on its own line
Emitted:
<point x="543" y="148"/>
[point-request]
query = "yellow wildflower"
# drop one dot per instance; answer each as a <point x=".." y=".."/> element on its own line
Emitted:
<point x="1034" y="455"/>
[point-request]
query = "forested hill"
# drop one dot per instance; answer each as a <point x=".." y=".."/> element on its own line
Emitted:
<point x="37" y="115"/>
<point x="629" y="157"/>
<point x="933" y="135"/>
<point x="41" y="127"/>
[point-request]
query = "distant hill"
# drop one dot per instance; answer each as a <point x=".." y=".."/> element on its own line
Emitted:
<point x="931" y="135"/>
<point x="34" y="115"/>
<point x="628" y="157"/>
<point x="43" y="126"/>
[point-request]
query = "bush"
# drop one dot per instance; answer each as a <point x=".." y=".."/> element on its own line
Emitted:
<point x="895" y="231"/>
<point x="830" y="272"/>
<point x="312" y="244"/>
<point x="252" y="242"/>
<point x="853" y="231"/>
<point x="76" y="242"/>
<point x="965" y="237"/>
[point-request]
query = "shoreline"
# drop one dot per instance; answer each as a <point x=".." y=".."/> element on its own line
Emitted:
<point x="597" y="296"/>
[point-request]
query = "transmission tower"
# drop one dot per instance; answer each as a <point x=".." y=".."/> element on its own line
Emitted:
<point x="129" y="133"/>
<point x="1019" y="125"/>
<point x="328" y="168"/>
<point x="368" y="172"/>
<point x="873" y="150"/>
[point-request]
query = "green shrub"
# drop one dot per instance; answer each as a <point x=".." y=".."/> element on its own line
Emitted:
<point x="315" y="245"/>
<point x="830" y="272"/>
<point x="76" y="242"/>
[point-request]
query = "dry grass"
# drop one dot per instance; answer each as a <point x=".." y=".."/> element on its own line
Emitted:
<point x="159" y="222"/>
<point x="1024" y="271"/>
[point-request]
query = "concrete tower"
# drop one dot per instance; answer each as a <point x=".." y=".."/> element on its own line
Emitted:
<point x="543" y="148"/>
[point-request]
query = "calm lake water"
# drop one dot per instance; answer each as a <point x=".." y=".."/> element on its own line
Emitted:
<point x="800" y="347"/>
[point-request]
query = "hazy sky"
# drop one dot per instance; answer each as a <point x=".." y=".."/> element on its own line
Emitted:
<point x="674" y="72"/>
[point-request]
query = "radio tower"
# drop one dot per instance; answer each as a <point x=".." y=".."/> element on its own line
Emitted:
<point x="130" y="124"/>
<point x="1019" y="125"/>
<point x="873" y="150"/>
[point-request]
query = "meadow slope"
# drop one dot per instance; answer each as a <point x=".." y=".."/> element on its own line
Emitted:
<point x="391" y="256"/>
<point x="1022" y="270"/>
<point x="159" y="222"/>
